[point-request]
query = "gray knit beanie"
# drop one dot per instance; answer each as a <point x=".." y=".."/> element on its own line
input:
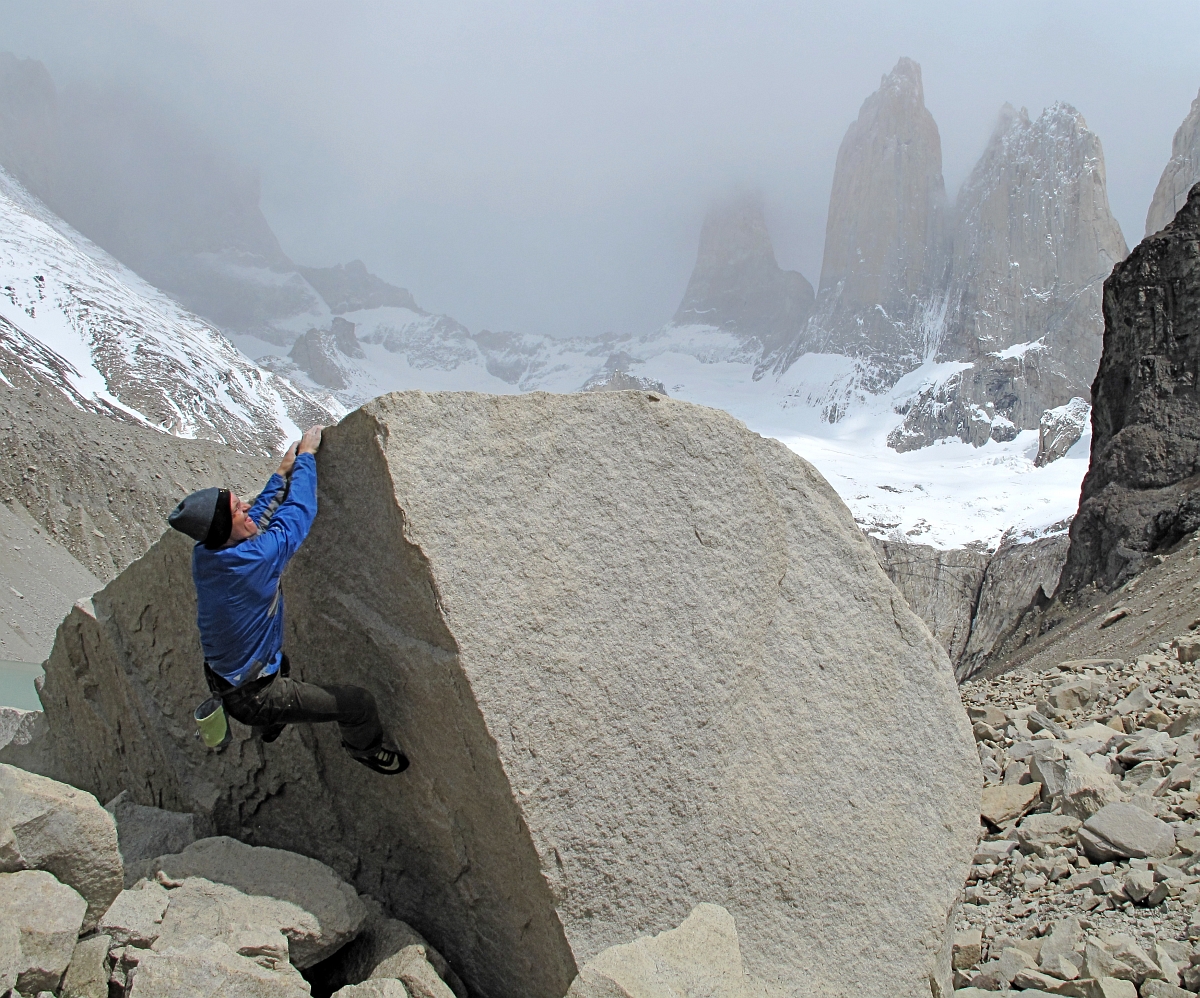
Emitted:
<point x="194" y="516"/>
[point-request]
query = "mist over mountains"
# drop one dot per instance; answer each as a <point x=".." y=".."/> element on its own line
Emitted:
<point x="971" y="318"/>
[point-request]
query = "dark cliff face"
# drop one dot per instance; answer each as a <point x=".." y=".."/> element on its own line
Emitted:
<point x="1142" y="491"/>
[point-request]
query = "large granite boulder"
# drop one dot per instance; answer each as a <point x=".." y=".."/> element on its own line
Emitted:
<point x="641" y="659"/>
<point x="1139" y="496"/>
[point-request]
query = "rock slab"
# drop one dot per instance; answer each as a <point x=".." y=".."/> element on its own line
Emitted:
<point x="673" y="665"/>
<point x="47" y="825"/>
<point x="48" y="916"/>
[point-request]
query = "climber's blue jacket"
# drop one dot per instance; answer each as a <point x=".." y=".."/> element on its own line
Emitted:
<point x="239" y="606"/>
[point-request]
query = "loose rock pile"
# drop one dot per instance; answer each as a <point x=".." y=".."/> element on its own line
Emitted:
<point x="1087" y="877"/>
<point x="218" y="917"/>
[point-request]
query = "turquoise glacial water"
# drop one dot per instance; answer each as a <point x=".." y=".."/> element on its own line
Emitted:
<point x="16" y="685"/>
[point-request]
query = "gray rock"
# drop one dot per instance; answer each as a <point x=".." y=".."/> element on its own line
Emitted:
<point x="701" y="957"/>
<point x="1139" y="884"/>
<point x="1137" y="498"/>
<point x="135" y="917"/>
<point x="370" y="952"/>
<point x="333" y="906"/>
<point x="88" y="972"/>
<point x="1040" y="833"/>
<point x="411" y="966"/>
<point x="507" y="601"/>
<point x="10" y="953"/>
<point x="20" y="727"/>
<point x="1180" y="173"/>
<point x="145" y="832"/>
<point x="1161" y="989"/>
<point x="258" y="927"/>
<point x="968" y="949"/>
<point x="46" y="825"/>
<point x="384" y="987"/>
<point x="1061" y="941"/>
<point x="49" y="916"/>
<point x="1127" y="831"/>
<point x="208" y="968"/>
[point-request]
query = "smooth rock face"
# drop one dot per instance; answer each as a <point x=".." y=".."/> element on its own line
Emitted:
<point x="1137" y="497"/>
<point x="332" y="906"/>
<point x="135" y="917"/>
<point x="481" y="562"/>
<point x="940" y="586"/>
<point x="1179" y="175"/>
<point x="885" y="234"/>
<point x="209" y="968"/>
<point x="87" y="973"/>
<point x="48" y="916"/>
<point x="701" y="957"/>
<point x="737" y="286"/>
<point x="258" y="927"/>
<point x="384" y="987"/>
<point x="1127" y="831"/>
<point x="46" y="825"/>
<point x="10" y="954"/>
<point x="145" y="832"/>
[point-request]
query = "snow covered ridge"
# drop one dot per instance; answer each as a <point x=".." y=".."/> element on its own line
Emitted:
<point x="74" y="319"/>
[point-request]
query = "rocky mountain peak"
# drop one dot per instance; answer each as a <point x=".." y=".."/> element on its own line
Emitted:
<point x="884" y="238"/>
<point x="1180" y="174"/>
<point x="738" y="286"/>
<point x="351" y="287"/>
<point x="1034" y="239"/>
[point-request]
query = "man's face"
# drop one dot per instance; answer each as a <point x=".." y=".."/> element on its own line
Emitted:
<point x="243" y="526"/>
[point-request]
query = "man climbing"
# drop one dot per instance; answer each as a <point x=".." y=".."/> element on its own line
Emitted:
<point x="237" y="564"/>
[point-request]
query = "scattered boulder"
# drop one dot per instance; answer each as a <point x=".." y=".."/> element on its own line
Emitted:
<point x="1011" y="800"/>
<point x="1042" y="833"/>
<point x="777" y="699"/>
<point x="333" y="908"/>
<point x="145" y="832"/>
<point x="47" y="825"/>
<point x="701" y="957"/>
<point x="88" y="972"/>
<point x="48" y="916"/>
<point x="253" y="926"/>
<point x="135" y="917"/>
<point x="384" y="987"/>
<point x="411" y="966"/>
<point x="370" y="954"/>
<point x="1123" y="830"/>
<point x="208" y="968"/>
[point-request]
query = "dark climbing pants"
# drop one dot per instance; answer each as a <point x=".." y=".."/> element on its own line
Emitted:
<point x="273" y="701"/>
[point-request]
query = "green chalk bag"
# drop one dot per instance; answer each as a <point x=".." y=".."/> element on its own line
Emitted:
<point x="213" y="725"/>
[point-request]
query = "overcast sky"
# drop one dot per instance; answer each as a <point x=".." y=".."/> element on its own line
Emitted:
<point x="545" y="166"/>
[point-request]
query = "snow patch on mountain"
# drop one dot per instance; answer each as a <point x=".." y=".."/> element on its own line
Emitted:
<point x="74" y="318"/>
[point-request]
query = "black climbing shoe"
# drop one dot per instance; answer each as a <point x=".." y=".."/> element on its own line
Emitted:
<point x="386" y="760"/>
<point x="271" y="732"/>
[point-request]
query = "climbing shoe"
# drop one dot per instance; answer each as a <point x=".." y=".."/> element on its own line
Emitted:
<point x="387" y="760"/>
